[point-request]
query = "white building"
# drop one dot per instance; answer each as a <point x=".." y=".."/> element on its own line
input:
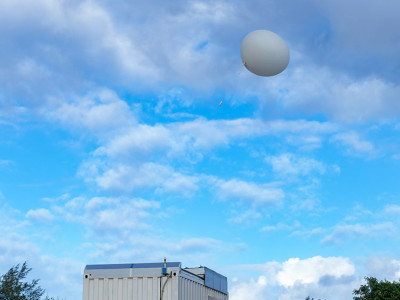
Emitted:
<point x="152" y="281"/>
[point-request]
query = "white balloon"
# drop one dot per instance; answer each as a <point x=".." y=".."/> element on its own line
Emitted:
<point x="264" y="53"/>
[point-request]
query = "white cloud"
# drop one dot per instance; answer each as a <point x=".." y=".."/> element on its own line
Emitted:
<point x="178" y="138"/>
<point x="253" y="289"/>
<point x="41" y="215"/>
<point x="66" y="47"/>
<point x="102" y="112"/>
<point x="280" y="226"/>
<point x="309" y="233"/>
<point x="321" y="277"/>
<point x="344" y="232"/>
<point x="248" y="193"/>
<point x="354" y="144"/>
<point x="117" y="217"/>
<point x="114" y="165"/>
<point x="215" y="11"/>
<point x="307" y="142"/>
<point x="121" y="228"/>
<point x="300" y="126"/>
<point x="76" y="45"/>
<point x="109" y="217"/>
<point x="372" y="32"/>
<point x="63" y="197"/>
<point x="397" y="274"/>
<point x="314" y="89"/>
<point x="127" y="160"/>
<point x="288" y="164"/>
<point x="67" y="283"/>
<point x="383" y="267"/>
<point x="17" y="248"/>
<point x="392" y="209"/>
<point x="311" y="270"/>
<point x="139" y="141"/>
<point x="223" y="131"/>
<point x="245" y="217"/>
<point x="127" y="178"/>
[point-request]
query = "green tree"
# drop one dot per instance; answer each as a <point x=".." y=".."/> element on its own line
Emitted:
<point x="377" y="290"/>
<point x="14" y="287"/>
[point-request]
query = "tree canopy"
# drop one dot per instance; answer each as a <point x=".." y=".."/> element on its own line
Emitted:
<point x="14" y="287"/>
<point x="377" y="290"/>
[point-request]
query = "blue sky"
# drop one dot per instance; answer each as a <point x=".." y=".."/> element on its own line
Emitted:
<point x="114" y="148"/>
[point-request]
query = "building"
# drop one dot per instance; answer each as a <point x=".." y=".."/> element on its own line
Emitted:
<point x="152" y="281"/>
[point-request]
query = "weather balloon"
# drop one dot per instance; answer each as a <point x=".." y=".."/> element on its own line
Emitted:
<point x="264" y="53"/>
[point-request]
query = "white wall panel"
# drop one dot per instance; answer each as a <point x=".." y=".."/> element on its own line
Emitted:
<point x="179" y="285"/>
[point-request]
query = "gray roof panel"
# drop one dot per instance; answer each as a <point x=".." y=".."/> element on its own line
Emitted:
<point x="133" y="266"/>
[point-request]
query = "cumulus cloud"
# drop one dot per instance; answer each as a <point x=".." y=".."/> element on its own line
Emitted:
<point x="312" y="270"/>
<point x="77" y="45"/>
<point x="71" y="45"/>
<point x="80" y="23"/>
<point x="298" y="278"/>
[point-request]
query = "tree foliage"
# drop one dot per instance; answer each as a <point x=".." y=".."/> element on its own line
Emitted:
<point x="377" y="290"/>
<point x="14" y="287"/>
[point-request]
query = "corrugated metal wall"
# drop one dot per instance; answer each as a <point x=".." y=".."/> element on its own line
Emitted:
<point x="131" y="288"/>
<point x="147" y="288"/>
<point x="190" y="290"/>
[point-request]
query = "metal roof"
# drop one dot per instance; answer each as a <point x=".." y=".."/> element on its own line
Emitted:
<point x="133" y="266"/>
